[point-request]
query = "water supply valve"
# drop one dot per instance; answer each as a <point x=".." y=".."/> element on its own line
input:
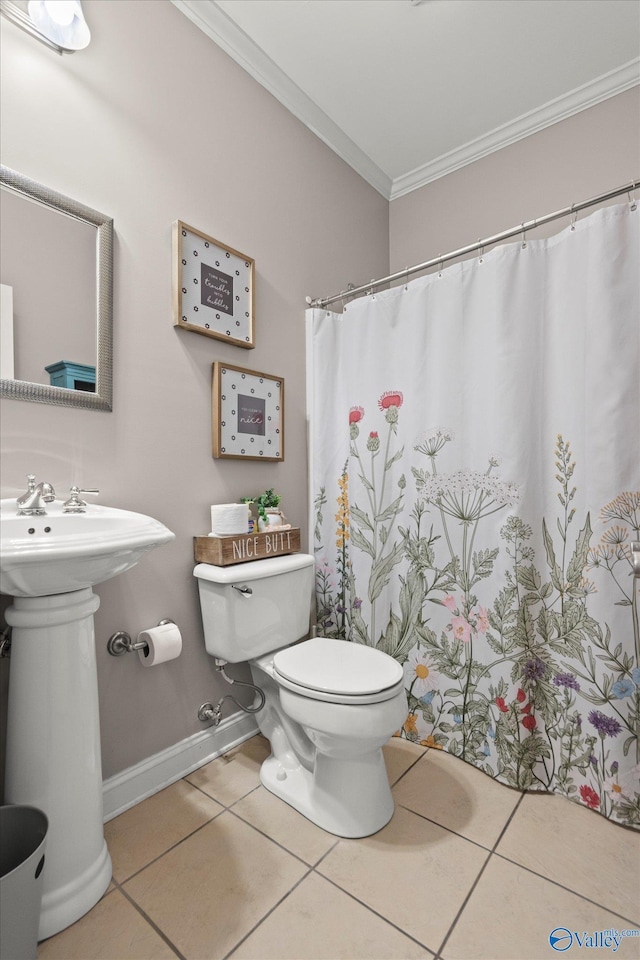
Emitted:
<point x="208" y="712"/>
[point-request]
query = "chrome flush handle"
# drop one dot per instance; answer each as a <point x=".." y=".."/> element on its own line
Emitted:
<point x="244" y="590"/>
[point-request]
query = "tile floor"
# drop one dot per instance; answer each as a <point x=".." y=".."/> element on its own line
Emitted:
<point x="214" y="866"/>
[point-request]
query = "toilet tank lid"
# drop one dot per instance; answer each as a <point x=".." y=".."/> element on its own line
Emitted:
<point x="254" y="569"/>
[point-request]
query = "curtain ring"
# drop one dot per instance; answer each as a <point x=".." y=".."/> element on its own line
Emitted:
<point x="350" y="287"/>
<point x="440" y="269"/>
<point x="524" y="236"/>
<point x="373" y="296"/>
<point x="481" y="245"/>
<point x="574" y="215"/>
<point x="632" y="200"/>
<point x="406" y="278"/>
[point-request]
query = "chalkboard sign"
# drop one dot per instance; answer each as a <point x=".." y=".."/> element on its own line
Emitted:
<point x="212" y="287"/>
<point x="251" y="415"/>
<point x="216" y="289"/>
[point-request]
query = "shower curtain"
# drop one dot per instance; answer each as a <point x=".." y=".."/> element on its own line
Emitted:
<point x="475" y="474"/>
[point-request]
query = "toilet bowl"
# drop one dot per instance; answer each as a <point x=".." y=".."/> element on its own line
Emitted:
<point x="330" y="705"/>
<point x="327" y="737"/>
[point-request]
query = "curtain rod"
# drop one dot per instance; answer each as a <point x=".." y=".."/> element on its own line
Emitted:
<point x="479" y="245"/>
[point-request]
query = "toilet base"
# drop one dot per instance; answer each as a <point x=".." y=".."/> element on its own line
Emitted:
<point x="349" y="798"/>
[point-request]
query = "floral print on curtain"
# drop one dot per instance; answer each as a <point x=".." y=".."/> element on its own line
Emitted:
<point x="509" y="663"/>
<point x="530" y="710"/>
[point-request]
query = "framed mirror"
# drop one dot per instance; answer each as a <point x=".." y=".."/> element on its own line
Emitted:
<point x="56" y="300"/>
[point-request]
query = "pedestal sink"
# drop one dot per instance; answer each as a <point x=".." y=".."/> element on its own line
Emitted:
<point x="49" y="565"/>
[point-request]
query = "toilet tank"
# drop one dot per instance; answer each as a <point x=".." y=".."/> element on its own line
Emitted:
<point x="239" y="625"/>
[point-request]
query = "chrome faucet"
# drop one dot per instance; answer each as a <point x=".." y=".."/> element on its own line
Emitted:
<point x="30" y="503"/>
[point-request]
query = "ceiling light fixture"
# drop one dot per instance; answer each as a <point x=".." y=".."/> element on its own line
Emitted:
<point x="59" y="24"/>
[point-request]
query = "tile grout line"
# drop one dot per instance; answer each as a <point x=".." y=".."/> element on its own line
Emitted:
<point x="149" y="921"/>
<point x="268" y="913"/>
<point x="168" y="850"/>
<point x="465" y="902"/>
<point x="436" y="823"/>
<point x="262" y="833"/>
<point x="326" y="853"/>
<point x="556" y="883"/>
<point x="188" y="835"/>
<point x="313" y="868"/>
<point x="411" y="765"/>
<point x="464" y="905"/>
<point x="119" y="885"/>
<point x="516" y="863"/>
<point x="370" y="909"/>
<point x="227" y="806"/>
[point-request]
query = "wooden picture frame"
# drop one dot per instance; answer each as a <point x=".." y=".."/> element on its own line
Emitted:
<point x="247" y="414"/>
<point x="212" y="287"/>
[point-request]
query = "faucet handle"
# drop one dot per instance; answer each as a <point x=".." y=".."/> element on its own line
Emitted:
<point x="74" y="504"/>
<point x="48" y="493"/>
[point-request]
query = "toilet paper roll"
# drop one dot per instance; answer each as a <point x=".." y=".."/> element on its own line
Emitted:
<point x="163" y="643"/>
<point x="229" y="519"/>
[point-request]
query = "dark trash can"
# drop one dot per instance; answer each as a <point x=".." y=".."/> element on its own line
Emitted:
<point x="23" y="834"/>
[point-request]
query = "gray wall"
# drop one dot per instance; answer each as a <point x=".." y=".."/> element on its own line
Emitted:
<point x="578" y="158"/>
<point x="153" y="123"/>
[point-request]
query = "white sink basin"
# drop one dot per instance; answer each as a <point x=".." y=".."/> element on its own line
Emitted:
<point x="62" y="552"/>
<point x="48" y="565"/>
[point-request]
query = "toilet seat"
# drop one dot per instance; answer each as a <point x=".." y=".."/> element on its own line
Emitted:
<point x="338" y="671"/>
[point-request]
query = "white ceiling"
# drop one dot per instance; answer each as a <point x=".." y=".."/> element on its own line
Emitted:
<point x="409" y="91"/>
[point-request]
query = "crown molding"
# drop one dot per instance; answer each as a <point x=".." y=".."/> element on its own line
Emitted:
<point x="213" y="21"/>
<point x="588" y="95"/>
<point x="216" y="24"/>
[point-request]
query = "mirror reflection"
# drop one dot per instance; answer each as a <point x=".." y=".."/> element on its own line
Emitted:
<point x="55" y="297"/>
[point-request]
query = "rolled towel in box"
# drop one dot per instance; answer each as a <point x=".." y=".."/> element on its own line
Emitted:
<point x="229" y="519"/>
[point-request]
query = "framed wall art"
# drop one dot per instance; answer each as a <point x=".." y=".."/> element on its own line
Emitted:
<point x="212" y="287"/>
<point x="248" y="414"/>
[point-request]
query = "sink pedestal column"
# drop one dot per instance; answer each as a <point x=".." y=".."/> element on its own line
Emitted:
<point x="53" y="747"/>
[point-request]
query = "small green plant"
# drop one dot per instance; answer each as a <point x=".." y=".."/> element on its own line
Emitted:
<point x="265" y="501"/>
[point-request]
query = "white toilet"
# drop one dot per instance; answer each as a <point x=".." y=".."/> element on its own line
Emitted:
<point x="330" y="704"/>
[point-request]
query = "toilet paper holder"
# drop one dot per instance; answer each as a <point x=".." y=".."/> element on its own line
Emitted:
<point x="121" y="642"/>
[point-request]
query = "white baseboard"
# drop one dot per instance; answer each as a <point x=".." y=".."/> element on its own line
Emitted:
<point x="149" y="776"/>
